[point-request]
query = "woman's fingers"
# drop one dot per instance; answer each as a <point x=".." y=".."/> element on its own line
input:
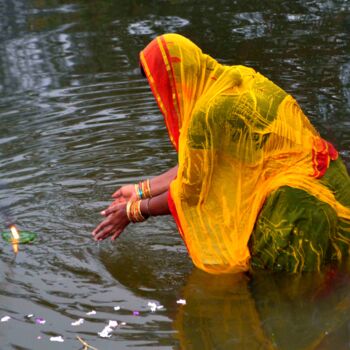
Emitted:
<point x="117" y="194"/>
<point x="117" y="201"/>
<point x="103" y="224"/>
<point x="113" y="225"/>
<point x="125" y="192"/>
<point x="107" y="231"/>
<point x="116" y="235"/>
<point x="120" y="200"/>
<point x="111" y="209"/>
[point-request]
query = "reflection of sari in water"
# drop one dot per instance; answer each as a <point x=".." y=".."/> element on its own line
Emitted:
<point x="269" y="311"/>
<point x="255" y="178"/>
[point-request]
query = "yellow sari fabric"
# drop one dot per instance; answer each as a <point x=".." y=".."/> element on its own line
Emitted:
<point x="239" y="137"/>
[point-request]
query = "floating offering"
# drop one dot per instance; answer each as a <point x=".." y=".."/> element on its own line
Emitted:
<point x="16" y="237"/>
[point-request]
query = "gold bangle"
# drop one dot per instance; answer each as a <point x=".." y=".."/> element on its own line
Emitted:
<point x="135" y="212"/>
<point x="140" y="217"/>
<point x="148" y="188"/>
<point x="132" y="211"/>
<point x="143" y="189"/>
<point x="136" y="186"/>
<point x="128" y="212"/>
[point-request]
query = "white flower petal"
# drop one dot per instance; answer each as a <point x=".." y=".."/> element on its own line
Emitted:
<point x="5" y="318"/>
<point x="106" y="332"/>
<point x="57" y="339"/>
<point x="113" y="324"/>
<point x="78" y="322"/>
<point x="152" y="306"/>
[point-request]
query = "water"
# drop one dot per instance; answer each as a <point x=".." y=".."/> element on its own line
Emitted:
<point x="77" y="121"/>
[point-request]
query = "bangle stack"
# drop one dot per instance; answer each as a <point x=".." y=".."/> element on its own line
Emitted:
<point x="133" y="211"/>
<point x="143" y="189"/>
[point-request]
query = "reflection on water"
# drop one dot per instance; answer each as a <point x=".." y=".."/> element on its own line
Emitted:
<point x="77" y="121"/>
<point x="268" y="311"/>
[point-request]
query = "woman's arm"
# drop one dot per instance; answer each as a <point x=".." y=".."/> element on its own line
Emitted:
<point x="155" y="206"/>
<point x="158" y="184"/>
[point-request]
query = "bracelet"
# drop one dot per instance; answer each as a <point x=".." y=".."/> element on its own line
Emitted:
<point x="146" y="187"/>
<point x="133" y="211"/>
<point x="138" y="191"/>
<point x="143" y="189"/>
<point x="128" y="205"/>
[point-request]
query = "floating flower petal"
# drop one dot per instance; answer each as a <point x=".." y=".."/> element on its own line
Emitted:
<point x="113" y="324"/>
<point x="40" y="320"/>
<point x="57" y="339"/>
<point x="78" y="323"/>
<point x="107" y="331"/>
<point x="154" y="307"/>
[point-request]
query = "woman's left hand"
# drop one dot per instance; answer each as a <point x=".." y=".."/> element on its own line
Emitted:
<point x="114" y="224"/>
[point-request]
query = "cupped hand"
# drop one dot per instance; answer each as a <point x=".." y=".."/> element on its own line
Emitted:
<point x="114" y="224"/>
<point x="124" y="194"/>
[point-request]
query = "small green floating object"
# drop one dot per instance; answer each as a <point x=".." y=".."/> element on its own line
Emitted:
<point x="24" y="237"/>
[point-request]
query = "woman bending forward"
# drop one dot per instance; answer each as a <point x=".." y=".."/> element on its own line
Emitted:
<point x="255" y="186"/>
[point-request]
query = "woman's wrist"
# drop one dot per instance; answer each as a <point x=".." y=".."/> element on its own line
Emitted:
<point x="134" y="212"/>
<point x="143" y="189"/>
<point x="145" y="207"/>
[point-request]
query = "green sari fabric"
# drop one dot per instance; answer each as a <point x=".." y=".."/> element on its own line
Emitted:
<point x="296" y="232"/>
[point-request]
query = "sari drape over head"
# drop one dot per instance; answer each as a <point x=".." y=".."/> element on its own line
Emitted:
<point x="239" y="137"/>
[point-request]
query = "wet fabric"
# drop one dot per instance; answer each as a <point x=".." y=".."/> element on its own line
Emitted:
<point x="239" y="137"/>
<point x="296" y="231"/>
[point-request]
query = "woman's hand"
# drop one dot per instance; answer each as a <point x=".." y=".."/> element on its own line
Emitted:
<point x="114" y="224"/>
<point x="124" y="194"/>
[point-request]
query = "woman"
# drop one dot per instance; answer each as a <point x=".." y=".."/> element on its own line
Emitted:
<point x="255" y="184"/>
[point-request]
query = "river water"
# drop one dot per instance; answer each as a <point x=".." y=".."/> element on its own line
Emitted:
<point x="77" y="121"/>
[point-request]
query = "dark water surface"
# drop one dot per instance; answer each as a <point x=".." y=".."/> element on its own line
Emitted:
<point x="77" y="121"/>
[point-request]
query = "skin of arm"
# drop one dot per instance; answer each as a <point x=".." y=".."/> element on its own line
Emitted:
<point x="160" y="184"/>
